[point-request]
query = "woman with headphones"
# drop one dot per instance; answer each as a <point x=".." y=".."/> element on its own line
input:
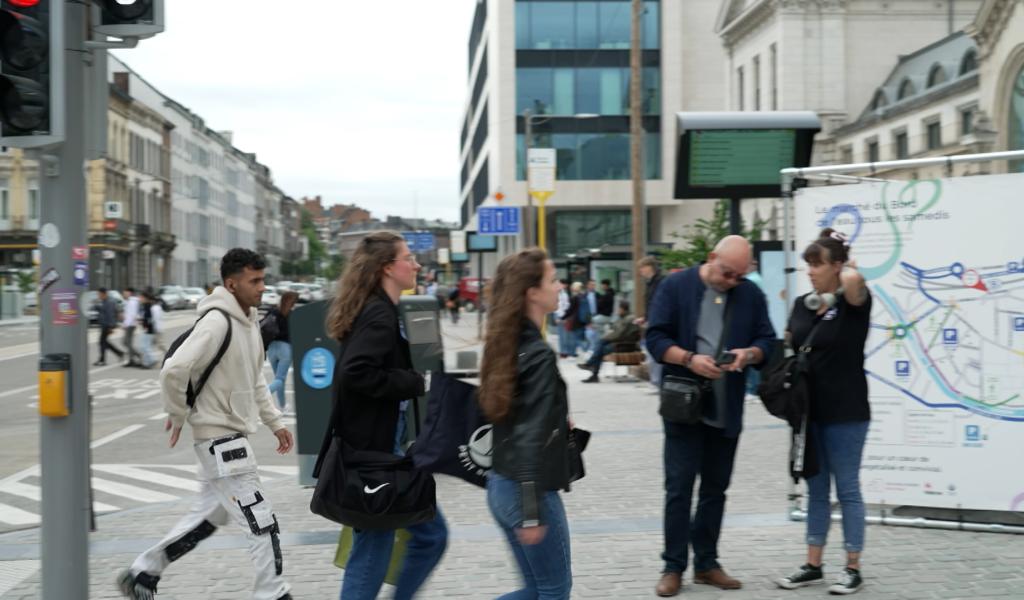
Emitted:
<point x="833" y="321"/>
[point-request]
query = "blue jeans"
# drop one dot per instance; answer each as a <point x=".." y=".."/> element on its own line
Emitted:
<point x="600" y="351"/>
<point x="546" y="567"/>
<point x="280" y="355"/>
<point x="371" y="553"/>
<point x="840" y="447"/>
<point x="692" y="450"/>
<point x="564" y="346"/>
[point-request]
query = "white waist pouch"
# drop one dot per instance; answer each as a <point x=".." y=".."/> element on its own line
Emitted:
<point x="233" y="456"/>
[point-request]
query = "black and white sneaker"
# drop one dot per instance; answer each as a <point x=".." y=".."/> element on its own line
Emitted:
<point x="802" y="577"/>
<point x="140" y="587"/>
<point x="849" y="582"/>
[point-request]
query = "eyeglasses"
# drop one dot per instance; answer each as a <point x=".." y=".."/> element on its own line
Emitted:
<point x="729" y="273"/>
<point x="411" y="259"/>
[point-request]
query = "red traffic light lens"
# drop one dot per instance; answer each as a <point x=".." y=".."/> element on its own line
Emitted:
<point x="24" y="3"/>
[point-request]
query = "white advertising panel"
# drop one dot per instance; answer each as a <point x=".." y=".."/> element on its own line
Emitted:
<point x="945" y="355"/>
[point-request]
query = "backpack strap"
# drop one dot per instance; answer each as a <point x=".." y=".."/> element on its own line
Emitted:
<point x="191" y="393"/>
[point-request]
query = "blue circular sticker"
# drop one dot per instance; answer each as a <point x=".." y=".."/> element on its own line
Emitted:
<point x="318" y="368"/>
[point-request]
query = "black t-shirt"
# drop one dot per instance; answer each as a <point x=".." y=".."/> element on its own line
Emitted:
<point x="839" y="387"/>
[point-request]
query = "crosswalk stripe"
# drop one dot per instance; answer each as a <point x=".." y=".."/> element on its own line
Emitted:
<point x="34" y="492"/>
<point x="149" y="476"/>
<point x="133" y="492"/>
<point x="282" y="470"/>
<point x="115" y="435"/>
<point x="15" y="516"/>
<point x="158" y="417"/>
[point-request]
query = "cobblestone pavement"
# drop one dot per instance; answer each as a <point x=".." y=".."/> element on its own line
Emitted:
<point x="615" y="515"/>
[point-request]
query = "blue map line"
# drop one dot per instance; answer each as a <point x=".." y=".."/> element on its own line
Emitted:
<point x="912" y="394"/>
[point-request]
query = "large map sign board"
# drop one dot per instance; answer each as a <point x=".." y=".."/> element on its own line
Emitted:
<point x="945" y="355"/>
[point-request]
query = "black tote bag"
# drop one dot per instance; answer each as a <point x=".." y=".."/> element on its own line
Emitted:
<point x="455" y="438"/>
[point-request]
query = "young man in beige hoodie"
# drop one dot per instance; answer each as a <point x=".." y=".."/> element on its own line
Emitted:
<point x="230" y="407"/>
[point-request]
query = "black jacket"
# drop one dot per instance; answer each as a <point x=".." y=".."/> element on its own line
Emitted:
<point x="606" y="303"/>
<point x="373" y="375"/>
<point x="531" y="444"/>
<point x="106" y="313"/>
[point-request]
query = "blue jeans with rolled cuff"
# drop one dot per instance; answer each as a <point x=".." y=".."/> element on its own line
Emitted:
<point x="840" y="448"/>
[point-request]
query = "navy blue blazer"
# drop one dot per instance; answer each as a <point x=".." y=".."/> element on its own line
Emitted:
<point x="672" y="321"/>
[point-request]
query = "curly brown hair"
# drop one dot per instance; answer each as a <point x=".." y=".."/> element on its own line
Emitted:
<point x="506" y="305"/>
<point x="361" y="279"/>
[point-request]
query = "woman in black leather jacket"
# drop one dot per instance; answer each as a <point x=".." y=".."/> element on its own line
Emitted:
<point x="522" y="393"/>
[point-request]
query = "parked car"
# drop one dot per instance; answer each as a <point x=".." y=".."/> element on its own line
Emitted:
<point x="194" y="295"/>
<point x="469" y="292"/>
<point x="316" y="292"/>
<point x="92" y="300"/>
<point x="302" y="289"/>
<point x="172" y="297"/>
<point x="270" y="297"/>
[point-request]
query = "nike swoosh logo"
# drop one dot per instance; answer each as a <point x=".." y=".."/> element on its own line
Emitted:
<point x="370" y="490"/>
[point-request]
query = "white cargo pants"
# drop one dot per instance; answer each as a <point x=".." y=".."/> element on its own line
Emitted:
<point x="230" y="490"/>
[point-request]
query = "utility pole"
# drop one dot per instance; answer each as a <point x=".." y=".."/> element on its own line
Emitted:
<point x="64" y="441"/>
<point x="636" y="140"/>
<point x="530" y="227"/>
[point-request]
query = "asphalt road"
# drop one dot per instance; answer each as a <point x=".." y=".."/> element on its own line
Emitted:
<point x="132" y="464"/>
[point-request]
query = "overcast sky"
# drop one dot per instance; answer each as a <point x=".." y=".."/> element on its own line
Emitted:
<point x="359" y="102"/>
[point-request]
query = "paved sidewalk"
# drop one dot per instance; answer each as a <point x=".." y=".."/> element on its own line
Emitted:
<point x="615" y="515"/>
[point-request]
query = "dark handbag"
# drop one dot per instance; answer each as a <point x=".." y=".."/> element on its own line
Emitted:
<point x="367" y="489"/>
<point x="783" y="387"/>
<point x="455" y="438"/>
<point x="682" y="398"/>
<point x="578" y="439"/>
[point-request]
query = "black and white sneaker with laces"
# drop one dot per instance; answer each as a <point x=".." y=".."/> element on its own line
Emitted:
<point x="137" y="587"/>
<point x="804" y="576"/>
<point x="849" y="582"/>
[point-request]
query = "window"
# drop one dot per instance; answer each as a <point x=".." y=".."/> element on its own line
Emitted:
<point x="902" y="145"/>
<point x="1015" y="131"/>
<point x="552" y="25"/>
<point x="593" y="156"/>
<point x="933" y="131"/>
<point x="969" y="62"/>
<point x="846" y="154"/>
<point x="757" y="83"/>
<point x="872" y="150"/>
<point x="879" y="100"/>
<point x="593" y="24"/>
<point x="578" y="229"/>
<point x="739" y="88"/>
<point x="33" y="204"/>
<point x="936" y="76"/>
<point x="967" y="120"/>
<point x="597" y="90"/>
<point x="614" y="27"/>
<point x="774" y="77"/>
<point x="5" y="205"/>
<point x="906" y="90"/>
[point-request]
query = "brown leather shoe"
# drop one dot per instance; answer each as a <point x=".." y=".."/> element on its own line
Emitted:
<point x="717" y="578"/>
<point x="669" y="584"/>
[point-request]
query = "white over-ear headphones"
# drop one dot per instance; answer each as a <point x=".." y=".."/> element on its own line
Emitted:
<point x="814" y="300"/>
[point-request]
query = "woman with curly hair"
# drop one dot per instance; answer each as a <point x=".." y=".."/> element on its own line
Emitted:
<point x="373" y="378"/>
<point x="523" y="395"/>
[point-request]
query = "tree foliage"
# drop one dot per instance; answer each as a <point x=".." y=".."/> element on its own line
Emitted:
<point x="700" y="237"/>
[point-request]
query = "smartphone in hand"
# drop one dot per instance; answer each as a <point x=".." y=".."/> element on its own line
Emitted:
<point x="725" y="358"/>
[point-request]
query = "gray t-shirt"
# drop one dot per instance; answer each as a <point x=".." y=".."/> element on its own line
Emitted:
<point x="710" y="324"/>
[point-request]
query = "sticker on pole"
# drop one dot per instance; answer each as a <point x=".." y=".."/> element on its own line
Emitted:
<point x="64" y="307"/>
<point x="49" y="236"/>
<point x="81" y="272"/>
<point x="318" y="368"/>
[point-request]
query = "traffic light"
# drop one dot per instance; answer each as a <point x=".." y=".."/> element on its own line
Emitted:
<point x="31" y="73"/>
<point x="131" y="18"/>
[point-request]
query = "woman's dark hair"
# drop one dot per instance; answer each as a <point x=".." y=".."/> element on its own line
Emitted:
<point x="361" y="279"/>
<point x="831" y="246"/>
<point x="506" y="307"/>
<point x="237" y="259"/>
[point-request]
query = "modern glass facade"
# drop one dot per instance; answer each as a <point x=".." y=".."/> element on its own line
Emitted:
<point x="572" y="58"/>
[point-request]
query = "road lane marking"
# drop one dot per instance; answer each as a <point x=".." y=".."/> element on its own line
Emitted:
<point x="158" y="417"/>
<point x="149" y="476"/>
<point x="15" y="516"/>
<point x="34" y="492"/>
<point x="115" y="435"/>
<point x="133" y="492"/>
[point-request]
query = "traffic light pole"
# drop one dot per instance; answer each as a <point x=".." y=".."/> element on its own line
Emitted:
<point x="64" y="441"/>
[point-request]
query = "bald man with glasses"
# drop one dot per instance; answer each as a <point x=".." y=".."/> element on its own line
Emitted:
<point x="706" y="325"/>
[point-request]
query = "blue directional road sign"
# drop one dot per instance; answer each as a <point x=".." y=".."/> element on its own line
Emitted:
<point x="500" y="220"/>
<point x="419" y="241"/>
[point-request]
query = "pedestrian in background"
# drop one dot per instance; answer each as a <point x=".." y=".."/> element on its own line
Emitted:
<point x="560" y="313"/>
<point x="650" y="272"/>
<point x="594" y="324"/>
<point x="228" y="409"/>
<point x="106" y="316"/>
<point x="523" y="395"/>
<point x="624" y="331"/>
<point x="373" y="377"/>
<point x="453" y="304"/>
<point x="129" y="321"/>
<point x="279" y="352"/>
<point x="576" y="318"/>
<point x="694" y="314"/>
<point x="151" y="323"/>
<point x="838" y="311"/>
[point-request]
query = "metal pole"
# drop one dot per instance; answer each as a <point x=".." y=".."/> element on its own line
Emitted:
<point x="64" y="441"/>
<point x="735" y="216"/>
<point x="639" y="224"/>
<point x="531" y="238"/>
<point x="480" y="295"/>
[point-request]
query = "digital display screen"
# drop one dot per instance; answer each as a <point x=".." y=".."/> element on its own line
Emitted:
<point x="739" y="157"/>
<point x="481" y="243"/>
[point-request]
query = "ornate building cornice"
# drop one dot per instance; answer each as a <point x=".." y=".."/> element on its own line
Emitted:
<point x="990" y="23"/>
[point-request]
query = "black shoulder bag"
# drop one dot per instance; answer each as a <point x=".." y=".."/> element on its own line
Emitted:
<point x="783" y="385"/>
<point x="366" y="489"/>
<point x="683" y="398"/>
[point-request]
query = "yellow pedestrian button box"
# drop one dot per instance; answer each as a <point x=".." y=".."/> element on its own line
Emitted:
<point x="54" y="399"/>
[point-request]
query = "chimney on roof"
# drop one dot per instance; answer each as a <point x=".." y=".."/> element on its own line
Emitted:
<point x="227" y="135"/>
<point x="121" y="79"/>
